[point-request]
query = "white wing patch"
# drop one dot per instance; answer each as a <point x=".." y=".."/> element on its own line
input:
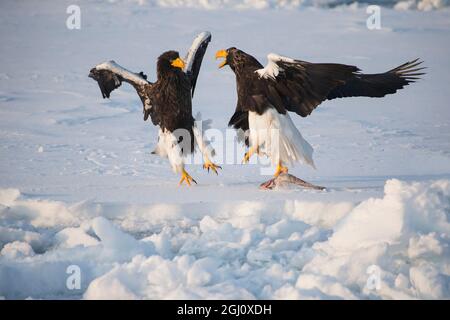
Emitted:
<point x="272" y="69"/>
<point x="121" y="71"/>
<point x="147" y="103"/>
<point x="190" y="57"/>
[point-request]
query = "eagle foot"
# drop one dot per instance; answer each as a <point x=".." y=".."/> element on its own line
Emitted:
<point x="186" y="177"/>
<point x="209" y="165"/>
<point x="280" y="169"/>
<point x="249" y="154"/>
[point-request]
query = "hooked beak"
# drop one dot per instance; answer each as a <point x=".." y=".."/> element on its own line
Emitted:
<point x="178" y="63"/>
<point x="93" y="74"/>
<point x="222" y="54"/>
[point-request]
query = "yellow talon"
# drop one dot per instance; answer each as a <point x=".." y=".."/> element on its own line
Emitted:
<point x="186" y="177"/>
<point x="280" y="169"/>
<point x="249" y="154"/>
<point x="246" y="157"/>
<point x="209" y="165"/>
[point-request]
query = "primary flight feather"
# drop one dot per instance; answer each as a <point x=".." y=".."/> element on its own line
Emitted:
<point x="267" y="93"/>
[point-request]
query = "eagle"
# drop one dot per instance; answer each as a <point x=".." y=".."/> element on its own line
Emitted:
<point x="266" y="95"/>
<point x="168" y="102"/>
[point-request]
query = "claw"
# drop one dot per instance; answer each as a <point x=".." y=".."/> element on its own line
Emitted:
<point x="186" y="177"/>
<point x="248" y="155"/>
<point x="280" y="170"/>
<point x="209" y="165"/>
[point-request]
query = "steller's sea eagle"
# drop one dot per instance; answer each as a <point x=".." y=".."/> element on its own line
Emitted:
<point x="266" y="94"/>
<point x="168" y="102"/>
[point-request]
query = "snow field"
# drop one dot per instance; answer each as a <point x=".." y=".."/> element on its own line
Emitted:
<point x="243" y="250"/>
<point x="80" y="187"/>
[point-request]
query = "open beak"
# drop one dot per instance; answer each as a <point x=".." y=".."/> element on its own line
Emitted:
<point x="222" y="54"/>
<point x="178" y="63"/>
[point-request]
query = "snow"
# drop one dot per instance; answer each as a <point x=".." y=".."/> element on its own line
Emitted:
<point x="80" y="187"/>
<point x="17" y="249"/>
<point x="226" y="255"/>
<point x="72" y="237"/>
<point x="424" y="5"/>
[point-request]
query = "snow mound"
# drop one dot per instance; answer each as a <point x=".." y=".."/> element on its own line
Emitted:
<point x="423" y="5"/>
<point x="404" y="236"/>
<point x="17" y="249"/>
<point x="184" y="277"/>
<point x="394" y="247"/>
<point x="8" y="196"/>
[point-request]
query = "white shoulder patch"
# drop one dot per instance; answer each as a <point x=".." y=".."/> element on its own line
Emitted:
<point x="272" y="69"/>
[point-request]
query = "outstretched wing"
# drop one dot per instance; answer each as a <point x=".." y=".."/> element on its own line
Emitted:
<point x="109" y="76"/>
<point x="300" y="86"/>
<point x="194" y="57"/>
<point x="381" y="84"/>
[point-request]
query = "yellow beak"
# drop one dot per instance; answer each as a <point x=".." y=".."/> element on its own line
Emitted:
<point x="178" y="63"/>
<point x="222" y="54"/>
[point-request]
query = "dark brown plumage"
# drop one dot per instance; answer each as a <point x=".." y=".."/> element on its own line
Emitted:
<point x="170" y="96"/>
<point x="169" y="99"/>
<point x="301" y="86"/>
<point x="168" y="102"/>
<point x="109" y="81"/>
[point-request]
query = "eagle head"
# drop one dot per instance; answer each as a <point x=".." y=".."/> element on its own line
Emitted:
<point x="170" y="61"/>
<point x="235" y="58"/>
<point x="228" y="55"/>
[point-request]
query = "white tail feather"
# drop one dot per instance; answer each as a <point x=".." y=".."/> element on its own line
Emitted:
<point x="277" y="137"/>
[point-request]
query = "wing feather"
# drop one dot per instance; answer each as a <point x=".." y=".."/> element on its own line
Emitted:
<point x="379" y="85"/>
<point x="302" y="85"/>
<point x="195" y="56"/>
<point x="110" y="75"/>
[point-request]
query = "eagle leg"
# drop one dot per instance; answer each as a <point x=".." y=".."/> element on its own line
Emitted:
<point x="280" y="169"/>
<point x="186" y="177"/>
<point x="209" y="165"/>
<point x="250" y="153"/>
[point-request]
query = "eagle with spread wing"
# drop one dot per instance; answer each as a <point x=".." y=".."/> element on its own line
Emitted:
<point x="168" y="102"/>
<point x="266" y="94"/>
